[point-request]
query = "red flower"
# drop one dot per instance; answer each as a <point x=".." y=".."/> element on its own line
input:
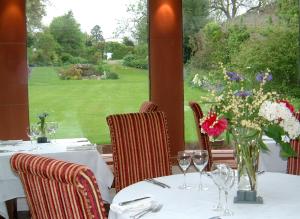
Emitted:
<point x="214" y="126"/>
<point x="287" y="104"/>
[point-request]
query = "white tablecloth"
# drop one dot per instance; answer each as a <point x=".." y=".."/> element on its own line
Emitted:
<point x="73" y="150"/>
<point x="281" y="194"/>
<point x="271" y="161"/>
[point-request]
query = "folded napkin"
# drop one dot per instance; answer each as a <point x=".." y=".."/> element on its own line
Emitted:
<point x="133" y="207"/>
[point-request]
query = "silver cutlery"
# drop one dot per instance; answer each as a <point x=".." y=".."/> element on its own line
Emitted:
<point x="155" y="207"/>
<point x="10" y="151"/>
<point x="82" y="140"/>
<point x="260" y="172"/>
<point x="156" y="182"/>
<point x="133" y="200"/>
<point x="5" y="151"/>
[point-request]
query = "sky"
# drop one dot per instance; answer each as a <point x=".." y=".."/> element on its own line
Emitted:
<point x="88" y="13"/>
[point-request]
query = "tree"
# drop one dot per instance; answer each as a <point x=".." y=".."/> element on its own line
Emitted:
<point x="289" y="11"/>
<point x="35" y="10"/>
<point x="137" y="22"/>
<point x="96" y="34"/>
<point x="231" y="8"/>
<point x="66" y="31"/>
<point x="127" y="42"/>
<point x="44" y="49"/>
<point x="195" y="13"/>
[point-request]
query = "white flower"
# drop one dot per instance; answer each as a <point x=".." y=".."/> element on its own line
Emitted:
<point x="291" y="126"/>
<point x="279" y="113"/>
<point x="268" y="110"/>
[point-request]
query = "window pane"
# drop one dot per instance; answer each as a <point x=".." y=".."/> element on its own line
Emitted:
<point x="85" y="64"/>
<point x="246" y="39"/>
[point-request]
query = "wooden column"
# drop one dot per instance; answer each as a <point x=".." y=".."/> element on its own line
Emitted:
<point x="13" y="70"/>
<point x="166" y="65"/>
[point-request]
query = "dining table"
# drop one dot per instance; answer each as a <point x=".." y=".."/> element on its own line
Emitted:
<point x="75" y="150"/>
<point x="280" y="193"/>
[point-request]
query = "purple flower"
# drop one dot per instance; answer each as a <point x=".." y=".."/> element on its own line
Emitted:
<point x="233" y="76"/>
<point x="260" y="77"/>
<point x="243" y="93"/>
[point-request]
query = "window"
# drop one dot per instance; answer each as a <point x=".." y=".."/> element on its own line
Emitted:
<point x="86" y="65"/>
<point x="248" y="40"/>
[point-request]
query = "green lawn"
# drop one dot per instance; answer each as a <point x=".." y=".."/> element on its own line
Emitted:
<point x="80" y="107"/>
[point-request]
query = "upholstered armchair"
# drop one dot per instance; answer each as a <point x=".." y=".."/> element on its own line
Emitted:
<point x="58" y="190"/>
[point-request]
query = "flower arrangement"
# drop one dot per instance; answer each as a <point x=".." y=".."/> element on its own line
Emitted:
<point x="42" y="127"/>
<point x="263" y="112"/>
<point x="247" y="112"/>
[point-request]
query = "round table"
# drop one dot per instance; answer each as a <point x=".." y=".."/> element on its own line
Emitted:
<point x="281" y="194"/>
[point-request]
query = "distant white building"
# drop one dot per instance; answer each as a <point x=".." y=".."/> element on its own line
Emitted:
<point x="108" y="55"/>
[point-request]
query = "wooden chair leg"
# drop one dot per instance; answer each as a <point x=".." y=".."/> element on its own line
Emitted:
<point x="12" y="208"/>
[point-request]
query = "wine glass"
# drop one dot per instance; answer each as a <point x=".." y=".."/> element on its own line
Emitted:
<point x="184" y="161"/>
<point x="33" y="132"/>
<point x="200" y="160"/>
<point x="215" y="174"/>
<point x="228" y="177"/>
<point x="51" y="128"/>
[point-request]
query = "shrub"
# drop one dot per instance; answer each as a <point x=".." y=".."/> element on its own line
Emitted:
<point x="140" y="63"/>
<point x="276" y="50"/>
<point x="78" y="60"/>
<point x="79" y="71"/>
<point x="100" y="67"/>
<point x="128" y="60"/>
<point x="71" y="73"/>
<point x="112" y="75"/>
<point x="118" y="50"/>
<point x="135" y="62"/>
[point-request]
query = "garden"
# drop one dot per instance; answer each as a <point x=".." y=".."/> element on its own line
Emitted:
<point x="80" y="78"/>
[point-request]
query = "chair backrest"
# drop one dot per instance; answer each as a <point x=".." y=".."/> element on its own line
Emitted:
<point x="293" y="166"/>
<point x="58" y="190"/>
<point x="148" y="106"/>
<point x="140" y="146"/>
<point x="203" y="138"/>
<point x="297" y="115"/>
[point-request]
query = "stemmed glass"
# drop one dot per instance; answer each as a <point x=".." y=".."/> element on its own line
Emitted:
<point x="33" y="132"/>
<point x="184" y="161"/>
<point x="200" y="160"/>
<point x="228" y="176"/>
<point x="51" y="128"/>
<point x="217" y="179"/>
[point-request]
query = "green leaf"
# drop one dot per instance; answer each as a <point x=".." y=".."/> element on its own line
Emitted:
<point x="251" y="136"/>
<point x="262" y="145"/>
<point x="287" y="150"/>
<point x="227" y="137"/>
<point x="275" y="132"/>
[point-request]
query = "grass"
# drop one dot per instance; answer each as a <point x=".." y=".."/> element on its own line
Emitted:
<point x="80" y="107"/>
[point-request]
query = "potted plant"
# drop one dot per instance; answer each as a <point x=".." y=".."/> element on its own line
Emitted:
<point x="42" y="128"/>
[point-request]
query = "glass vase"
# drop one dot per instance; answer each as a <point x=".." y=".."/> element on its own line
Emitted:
<point x="247" y="153"/>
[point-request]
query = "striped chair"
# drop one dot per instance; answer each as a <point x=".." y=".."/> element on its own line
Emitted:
<point x="293" y="166"/>
<point x="140" y="146"/>
<point x="58" y="190"/>
<point x="205" y="144"/>
<point x="148" y="106"/>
